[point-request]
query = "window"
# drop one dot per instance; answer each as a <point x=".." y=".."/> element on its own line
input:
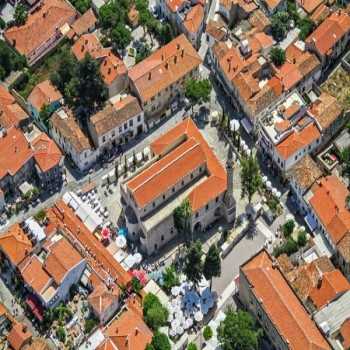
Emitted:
<point x="138" y="118"/>
<point x="162" y="237"/>
<point x="120" y="129"/>
<point x="156" y="246"/>
<point x="153" y="204"/>
<point x="131" y="122"/>
<point x="125" y="126"/>
<point x="182" y="182"/>
<point x="207" y="207"/>
<point x="216" y="199"/>
<point x="104" y="139"/>
<point x="163" y="196"/>
<point x="191" y="176"/>
<point x="171" y="230"/>
<point x="173" y="189"/>
<point x="113" y="133"/>
<point x="197" y="214"/>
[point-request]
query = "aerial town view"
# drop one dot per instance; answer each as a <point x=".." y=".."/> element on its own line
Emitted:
<point x="174" y="174"/>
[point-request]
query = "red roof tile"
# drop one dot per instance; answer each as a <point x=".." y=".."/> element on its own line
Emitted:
<point x="281" y="304"/>
<point x="18" y="336"/>
<point x="43" y="94"/>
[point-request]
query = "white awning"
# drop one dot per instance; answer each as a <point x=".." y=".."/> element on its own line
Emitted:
<point x="247" y="125"/>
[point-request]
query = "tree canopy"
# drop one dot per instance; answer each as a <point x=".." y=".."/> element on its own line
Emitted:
<point x="198" y="91"/>
<point x="250" y="176"/>
<point x="159" y="342"/>
<point x="212" y="263"/>
<point x="120" y="37"/>
<point x="278" y="56"/>
<point x="279" y="25"/>
<point x="170" y="278"/>
<point x="238" y="332"/>
<point x="9" y="60"/>
<point x="20" y="15"/>
<point x="193" y="263"/>
<point x="154" y="313"/>
<point x="182" y="215"/>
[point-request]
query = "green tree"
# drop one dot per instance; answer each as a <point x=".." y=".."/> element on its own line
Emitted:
<point x="170" y="278"/>
<point x="278" y="56"/>
<point x="192" y="346"/>
<point x="142" y="53"/>
<point x="250" y="177"/>
<point x="120" y="37"/>
<point x="81" y="5"/>
<point x="113" y="13"/>
<point x="160" y="342"/>
<point x="88" y="86"/>
<point x="198" y="91"/>
<point x="302" y="239"/>
<point x="20" y="15"/>
<point x="154" y="313"/>
<point x="45" y="114"/>
<point x="306" y="26"/>
<point x="288" y="228"/>
<point x="61" y="334"/>
<point x="89" y="325"/>
<point x="238" y="332"/>
<point x="212" y="264"/>
<point x="279" y="25"/>
<point x="207" y="333"/>
<point x="345" y="158"/>
<point x="193" y="263"/>
<point x="136" y="285"/>
<point x="182" y="216"/>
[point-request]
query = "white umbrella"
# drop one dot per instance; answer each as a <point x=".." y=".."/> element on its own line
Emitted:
<point x="120" y="242"/>
<point x="175" y="291"/>
<point x="198" y="316"/>
<point x="179" y="330"/>
<point x="188" y="323"/>
<point x="175" y="323"/>
<point x="269" y="185"/>
<point x="274" y="191"/>
<point x="278" y="194"/>
<point x="264" y="179"/>
<point x="234" y="124"/>
<point x="245" y="148"/>
<point x="172" y="332"/>
<point x="242" y="142"/>
<point x="138" y="258"/>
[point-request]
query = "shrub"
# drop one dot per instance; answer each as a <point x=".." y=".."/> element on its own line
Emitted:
<point x="61" y="334"/>
<point x="170" y="278"/>
<point x="155" y="314"/>
<point x="40" y="215"/>
<point x="136" y="285"/>
<point x="192" y="346"/>
<point x="160" y="342"/>
<point x="278" y="56"/>
<point x="302" y="239"/>
<point x="289" y="247"/>
<point x="207" y="333"/>
<point x="288" y="228"/>
<point x="89" y="325"/>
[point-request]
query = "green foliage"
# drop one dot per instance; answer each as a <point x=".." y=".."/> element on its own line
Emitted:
<point x="238" y="332"/>
<point x="302" y="239"/>
<point x="288" y="228"/>
<point x="61" y="313"/>
<point x="192" y="346"/>
<point x="9" y="60"/>
<point x="207" y="333"/>
<point x="40" y="215"/>
<point x="2" y="24"/>
<point x="251" y="180"/>
<point x="154" y="313"/>
<point x="289" y="247"/>
<point x="193" y="263"/>
<point x="212" y="263"/>
<point x="170" y="278"/>
<point x="160" y="342"/>
<point x="136" y="285"/>
<point x="198" y="91"/>
<point x="45" y="114"/>
<point x="279" y="25"/>
<point x="182" y="215"/>
<point x="20" y="15"/>
<point x="112" y="13"/>
<point x="278" y="56"/>
<point x="142" y="53"/>
<point x="90" y="324"/>
<point x="306" y="26"/>
<point x="120" y="37"/>
<point x="61" y="334"/>
<point x="345" y="158"/>
<point x="81" y="5"/>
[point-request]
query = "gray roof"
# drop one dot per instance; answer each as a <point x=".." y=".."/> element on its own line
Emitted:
<point x="332" y="316"/>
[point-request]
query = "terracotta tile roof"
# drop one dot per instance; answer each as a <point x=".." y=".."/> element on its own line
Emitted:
<point x="41" y="25"/>
<point x="310" y="5"/>
<point x="192" y="151"/>
<point x="305" y="172"/>
<point x="281" y="305"/>
<point x="61" y="258"/>
<point x="63" y="217"/>
<point x="5" y="97"/>
<point x="324" y="264"/>
<point x="84" y="23"/>
<point x="107" y="345"/>
<point x="111" y="66"/>
<point x="298" y="140"/>
<point x="34" y="275"/>
<point x="330" y="31"/>
<point x="328" y="202"/>
<point x="15" y="152"/>
<point x="43" y="94"/>
<point x="46" y="153"/>
<point x="103" y="298"/>
<point x="285" y="263"/>
<point x="272" y="4"/>
<point x="18" y="336"/>
<point x="38" y="344"/>
<point x="129" y="332"/>
<point x="344" y="247"/>
<point x="115" y="115"/>
<point x="247" y="5"/>
<point x="12" y="115"/>
<point x="333" y="284"/>
<point x="194" y="19"/>
<point x="15" y="244"/>
<point x="259" y="20"/>
<point x="164" y="67"/>
<point x="217" y="30"/>
<point x="320" y="14"/>
<point x="345" y="333"/>
<point x="174" y="5"/>
<point x="326" y="110"/>
<point x="70" y="130"/>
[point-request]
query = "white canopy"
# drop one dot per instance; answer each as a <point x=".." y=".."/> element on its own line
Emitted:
<point x="120" y="241"/>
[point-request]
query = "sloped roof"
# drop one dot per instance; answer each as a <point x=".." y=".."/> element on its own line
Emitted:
<point x="102" y="298"/>
<point x="43" y="94"/>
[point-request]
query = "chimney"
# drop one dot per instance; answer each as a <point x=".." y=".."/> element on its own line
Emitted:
<point x="82" y="48"/>
<point x="294" y="61"/>
<point x="149" y="76"/>
<point x="175" y="59"/>
<point x="178" y="46"/>
<point x="109" y="70"/>
<point x="44" y="14"/>
<point x="162" y="57"/>
<point x="166" y="65"/>
<point x="86" y="41"/>
<point x="136" y="331"/>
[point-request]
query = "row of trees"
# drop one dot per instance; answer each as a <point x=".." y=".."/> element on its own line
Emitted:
<point x="195" y="267"/>
<point x="9" y="60"/>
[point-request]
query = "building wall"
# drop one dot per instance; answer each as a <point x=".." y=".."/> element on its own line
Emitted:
<point x="109" y="312"/>
<point x="118" y="85"/>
